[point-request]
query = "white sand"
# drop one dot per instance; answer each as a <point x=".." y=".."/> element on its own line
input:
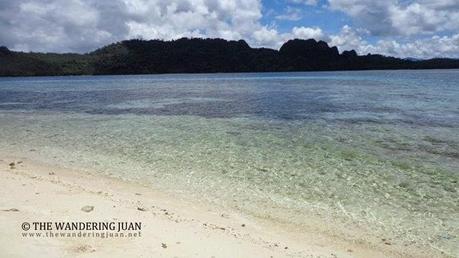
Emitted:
<point x="171" y="227"/>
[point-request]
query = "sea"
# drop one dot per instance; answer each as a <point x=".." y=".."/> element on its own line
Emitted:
<point x="376" y="150"/>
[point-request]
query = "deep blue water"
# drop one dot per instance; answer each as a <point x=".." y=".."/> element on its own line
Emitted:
<point x="424" y="98"/>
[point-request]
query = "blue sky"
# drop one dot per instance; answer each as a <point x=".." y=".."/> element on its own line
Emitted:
<point x="403" y="28"/>
<point x="286" y="15"/>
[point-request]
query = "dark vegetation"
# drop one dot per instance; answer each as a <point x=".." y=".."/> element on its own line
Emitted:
<point x="203" y="56"/>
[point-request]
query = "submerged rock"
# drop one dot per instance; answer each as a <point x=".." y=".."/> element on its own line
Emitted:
<point x="12" y="209"/>
<point x="87" y="208"/>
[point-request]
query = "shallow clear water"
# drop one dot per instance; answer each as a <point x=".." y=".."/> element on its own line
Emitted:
<point x="376" y="149"/>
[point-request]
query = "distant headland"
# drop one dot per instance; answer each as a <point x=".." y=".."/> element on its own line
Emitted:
<point x="204" y="56"/>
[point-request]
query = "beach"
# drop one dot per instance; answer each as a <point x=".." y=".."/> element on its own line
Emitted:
<point x="171" y="226"/>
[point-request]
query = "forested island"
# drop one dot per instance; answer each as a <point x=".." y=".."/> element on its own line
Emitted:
<point x="203" y="56"/>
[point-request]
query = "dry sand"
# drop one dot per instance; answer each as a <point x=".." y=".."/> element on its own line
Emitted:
<point x="171" y="226"/>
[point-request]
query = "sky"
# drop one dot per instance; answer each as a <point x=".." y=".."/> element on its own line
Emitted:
<point x="402" y="28"/>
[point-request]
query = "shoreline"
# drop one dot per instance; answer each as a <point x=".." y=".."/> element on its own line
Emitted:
<point x="172" y="226"/>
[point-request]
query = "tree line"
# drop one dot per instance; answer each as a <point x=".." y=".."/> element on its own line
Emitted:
<point x="204" y="56"/>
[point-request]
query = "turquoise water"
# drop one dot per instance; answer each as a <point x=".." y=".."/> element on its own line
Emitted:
<point x="376" y="150"/>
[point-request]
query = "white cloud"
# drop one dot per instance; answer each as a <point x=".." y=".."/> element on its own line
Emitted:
<point x="60" y="25"/>
<point x="83" y="25"/>
<point x="307" y="33"/>
<point x="434" y="46"/>
<point x="391" y="17"/>
<point x="349" y="39"/>
<point x="267" y="37"/>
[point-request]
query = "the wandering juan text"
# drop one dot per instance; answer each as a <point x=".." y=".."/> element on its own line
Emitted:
<point x="87" y="226"/>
